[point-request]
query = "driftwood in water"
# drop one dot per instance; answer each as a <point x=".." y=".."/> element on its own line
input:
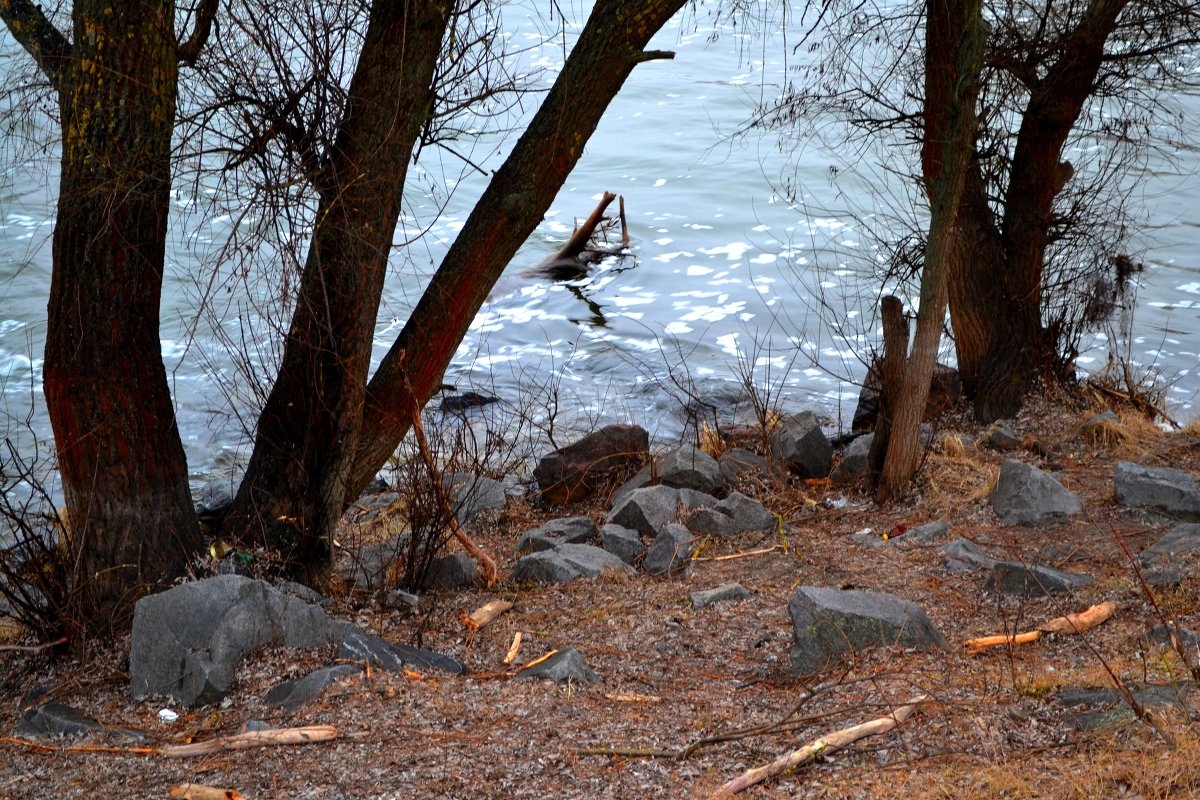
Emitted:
<point x="585" y="246"/>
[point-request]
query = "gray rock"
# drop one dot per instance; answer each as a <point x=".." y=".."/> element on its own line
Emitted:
<point x="56" y="719"/>
<point x="708" y="597"/>
<point x="1160" y="636"/>
<point x="709" y="522"/>
<point x="1168" y="491"/>
<point x="747" y="513"/>
<point x="1002" y="440"/>
<point x="576" y="471"/>
<point x="474" y="494"/>
<point x="302" y="592"/>
<point x="1095" y="425"/>
<point x="187" y="642"/>
<point x="290" y="696"/>
<point x="671" y="552"/>
<point x="568" y="530"/>
<point x="828" y="623"/>
<point x="1162" y="578"/>
<point x="1026" y="495"/>
<point x="370" y="506"/>
<point x="641" y="479"/>
<point x="801" y="446"/>
<point x="360" y="646"/>
<point x="945" y="388"/>
<point x="963" y="556"/>
<point x="452" y="571"/>
<point x="591" y="561"/>
<point x="738" y="463"/>
<point x="546" y="566"/>
<point x="1183" y="540"/>
<point x="401" y="600"/>
<point x="854" y="460"/>
<point x="1032" y="580"/>
<point x="624" y="543"/>
<point x="689" y="467"/>
<point x="928" y="533"/>
<point x="1090" y="709"/>
<point x="367" y="569"/>
<point x="565" y="666"/>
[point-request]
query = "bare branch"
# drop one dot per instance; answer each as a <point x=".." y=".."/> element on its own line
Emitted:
<point x="189" y="51"/>
<point x="30" y="27"/>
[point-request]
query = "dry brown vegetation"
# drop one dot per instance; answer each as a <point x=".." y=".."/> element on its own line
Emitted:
<point x="675" y="676"/>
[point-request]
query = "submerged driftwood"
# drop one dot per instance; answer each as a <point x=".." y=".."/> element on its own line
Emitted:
<point x="587" y="245"/>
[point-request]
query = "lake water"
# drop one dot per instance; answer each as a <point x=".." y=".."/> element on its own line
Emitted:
<point x="726" y="275"/>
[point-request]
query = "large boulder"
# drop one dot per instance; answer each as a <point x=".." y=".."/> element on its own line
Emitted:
<point x="1168" y="491"/>
<point x="187" y="642"/>
<point x="1025" y="495"/>
<point x="802" y="447"/>
<point x="828" y="623"/>
<point x="576" y="471"/>
<point x="689" y="467"/>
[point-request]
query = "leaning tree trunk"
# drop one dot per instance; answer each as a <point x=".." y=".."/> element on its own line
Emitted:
<point x="610" y="46"/>
<point x="1001" y="344"/>
<point x="130" y="523"/>
<point x="955" y="39"/>
<point x="296" y="482"/>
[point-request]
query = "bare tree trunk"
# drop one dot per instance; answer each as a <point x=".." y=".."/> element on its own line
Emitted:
<point x="996" y="284"/>
<point x="610" y="46"/>
<point x="891" y="380"/>
<point x="131" y="525"/>
<point x="296" y="482"/>
<point x="955" y="39"/>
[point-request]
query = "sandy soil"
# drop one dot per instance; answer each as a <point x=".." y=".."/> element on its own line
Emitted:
<point x="674" y="676"/>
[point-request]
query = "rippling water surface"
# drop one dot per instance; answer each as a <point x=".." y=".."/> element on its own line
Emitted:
<point x="726" y="275"/>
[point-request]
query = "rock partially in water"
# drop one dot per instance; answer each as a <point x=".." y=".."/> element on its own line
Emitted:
<point x="576" y="471"/>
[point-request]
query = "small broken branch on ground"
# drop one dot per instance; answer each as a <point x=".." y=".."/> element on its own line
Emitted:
<point x="197" y="791"/>
<point x="33" y="648"/>
<point x="817" y="749"/>
<point x="310" y="734"/>
<point x="513" y="649"/>
<point x="1070" y="624"/>
<point x="485" y="614"/>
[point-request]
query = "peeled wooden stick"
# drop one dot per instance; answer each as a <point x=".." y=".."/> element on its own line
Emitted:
<point x="196" y="791"/>
<point x="1083" y="621"/>
<point x="999" y="640"/>
<point x="241" y="741"/>
<point x="815" y="749"/>
<point x="1070" y="624"/>
<point x="486" y="613"/>
<point x="513" y="649"/>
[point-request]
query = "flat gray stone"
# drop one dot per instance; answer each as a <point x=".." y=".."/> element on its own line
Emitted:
<point x="1181" y="541"/>
<point x="1168" y="491"/>
<point x="567" y="530"/>
<point x="1025" y="495"/>
<point x="290" y="696"/>
<point x="591" y="561"/>
<point x="963" y="555"/>
<point x="452" y="571"/>
<point x="56" y="719"/>
<point x="829" y="623"/>
<point x="547" y="566"/>
<point x="730" y="591"/>
<point x="802" y="447"/>
<point x="187" y="642"/>
<point x="358" y="645"/>
<point x="689" y="467"/>
<point x="671" y="551"/>
<point x="624" y="543"/>
<point x="928" y="533"/>
<point x="565" y="666"/>
<point x="1032" y="580"/>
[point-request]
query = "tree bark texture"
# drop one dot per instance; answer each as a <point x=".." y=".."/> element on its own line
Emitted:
<point x="996" y="275"/>
<point x="131" y="525"/>
<point x="611" y="44"/>
<point x="956" y="36"/>
<point x="296" y="483"/>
